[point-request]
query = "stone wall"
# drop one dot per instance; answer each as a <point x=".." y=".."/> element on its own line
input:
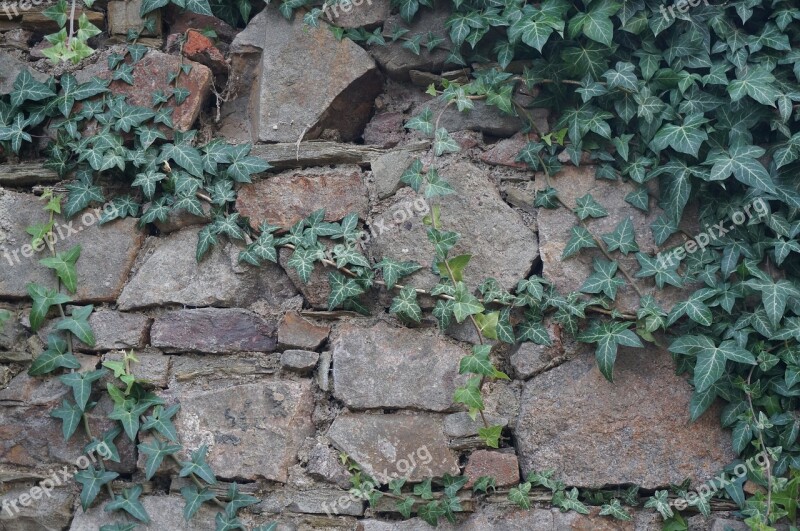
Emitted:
<point x="276" y="386"/>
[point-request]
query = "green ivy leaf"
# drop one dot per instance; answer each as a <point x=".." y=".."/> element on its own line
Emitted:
<point x="342" y="288"/>
<point x="194" y="499"/>
<point x="43" y="299"/>
<point x="608" y="336"/>
<point x="56" y="356"/>
<point x="81" y="384"/>
<point x="71" y="415"/>
<point x="588" y="207"/>
<point x="129" y="502"/>
<point x="405" y="305"/>
<point x="198" y="466"/>
<point x="78" y="324"/>
<point x="92" y="481"/>
<point x="155" y="451"/>
<point x="604" y="279"/>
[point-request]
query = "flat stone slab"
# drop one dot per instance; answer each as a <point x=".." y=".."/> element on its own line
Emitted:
<point x="214" y="331"/>
<point x="166" y="512"/>
<point x="112" y="331"/>
<point x="168" y="274"/>
<point x="107" y="252"/>
<point x="295" y="331"/>
<point x="395" y="445"/>
<point x="634" y="430"/>
<point x="418" y="368"/>
<point x="253" y="430"/>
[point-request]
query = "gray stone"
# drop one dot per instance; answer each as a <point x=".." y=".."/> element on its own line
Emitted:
<point x="214" y="331"/>
<point x="419" y="368"/>
<point x="152" y="368"/>
<point x="461" y="425"/>
<point x="317" y="501"/>
<point x="286" y="198"/>
<point x="323" y="374"/>
<point x="305" y="81"/>
<point x="10" y="330"/>
<point x="51" y="512"/>
<point x="253" y="430"/>
<point x="387" y="170"/>
<point x="301" y="361"/>
<point x="536" y="519"/>
<point x="220" y="371"/>
<point x="123" y="15"/>
<point x="166" y="512"/>
<point x="634" y="430"/>
<point x="324" y="464"/>
<point x="358" y="13"/>
<point x="529" y="359"/>
<point x="107" y="252"/>
<point x="170" y="274"/>
<point x="11" y="64"/>
<point x="395" y="445"/>
<point x="501" y="245"/>
<point x="482" y="117"/>
<point x="112" y="331"/>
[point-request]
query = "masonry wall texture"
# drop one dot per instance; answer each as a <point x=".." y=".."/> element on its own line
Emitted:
<point x="276" y="386"/>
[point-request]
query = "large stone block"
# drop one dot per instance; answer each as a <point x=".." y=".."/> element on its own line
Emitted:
<point x="213" y="330"/>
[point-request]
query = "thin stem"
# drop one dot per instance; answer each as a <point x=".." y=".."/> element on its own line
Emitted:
<point x="71" y="24"/>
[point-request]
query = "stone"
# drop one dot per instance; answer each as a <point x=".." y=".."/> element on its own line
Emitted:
<point x="222" y="370"/>
<point x="635" y="430"/>
<point x="213" y="331"/>
<point x="168" y="274"/>
<point x="52" y="511"/>
<point x="286" y="198"/>
<point x="150" y="74"/>
<point x="317" y="501"/>
<point x="318" y="287"/>
<point x="253" y="430"/>
<point x="11" y="64"/>
<point x="182" y="20"/>
<point x="201" y="49"/>
<point x="396" y="60"/>
<point x="530" y="359"/>
<point x="323" y="464"/>
<point x="387" y="170"/>
<point x="419" y="368"/>
<point x="123" y="15"/>
<point x="301" y="361"/>
<point x="502" y="466"/>
<point x="295" y="331"/>
<point x="385" y="130"/>
<point x="395" y="445"/>
<point x="482" y="117"/>
<point x="18" y="38"/>
<point x="461" y="424"/>
<point x="500" y="243"/>
<point x="504" y="152"/>
<point x="10" y="330"/>
<point x="152" y="368"/>
<point x="303" y="83"/>
<point x="536" y="519"/>
<point x="358" y="13"/>
<point x="107" y="252"/>
<point x="166" y="512"/>
<point x="555" y="229"/>
<point x="112" y="331"/>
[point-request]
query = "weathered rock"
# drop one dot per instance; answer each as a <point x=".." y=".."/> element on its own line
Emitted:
<point x="123" y="15"/>
<point x="290" y="196"/>
<point x="11" y="64"/>
<point x="151" y="74"/>
<point x="220" y="371"/>
<point x="317" y="501"/>
<point x="182" y="20"/>
<point x="502" y="466"/>
<point x="324" y="464"/>
<point x="214" y="331"/>
<point x="201" y="49"/>
<point x="461" y="425"/>
<point x="253" y="430"/>
<point x="318" y="287"/>
<point x="397" y="60"/>
<point x="166" y="512"/>
<point x="501" y="245"/>
<point x="387" y="170"/>
<point x="504" y="152"/>
<point x="170" y="274"/>
<point x="358" y="13"/>
<point x="52" y="509"/>
<point x="305" y="81"/>
<point x="302" y="361"/>
<point x="529" y="358"/>
<point x="18" y="38"/>
<point x="295" y="331"/>
<point x="482" y="117"/>
<point x="395" y="445"/>
<point x="419" y="369"/>
<point x="543" y="520"/>
<point x="107" y="252"/>
<point x="152" y="368"/>
<point x="11" y="330"/>
<point x="112" y="330"/>
<point x="385" y="129"/>
<point x="555" y="230"/>
<point x="635" y="430"/>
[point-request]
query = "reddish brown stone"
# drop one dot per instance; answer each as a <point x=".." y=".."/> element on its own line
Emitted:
<point x="502" y="466"/>
<point x="182" y="20"/>
<point x="200" y="48"/>
<point x="294" y="331"/>
<point x="504" y="153"/>
<point x="213" y="330"/>
<point x="286" y="198"/>
<point x="385" y="130"/>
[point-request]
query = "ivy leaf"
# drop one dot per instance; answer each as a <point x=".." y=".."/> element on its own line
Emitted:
<point x="547" y="198"/>
<point x="660" y="502"/>
<point x="436" y="185"/>
<point x="478" y="362"/>
<point x="569" y="501"/>
<point x="534" y="31"/>
<point x="130" y="116"/>
<point x="155" y="451"/>
<point x="194" y="499"/>
<point x="519" y="495"/>
<point x="491" y="436"/>
<point x="16" y="132"/>
<point x="185" y="156"/>
<point x="604" y="279"/>
<point x="64" y="266"/>
<point x="623" y="237"/>
<point x="413" y="176"/>
<point x="238" y="500"/>
<point x="127" y="413"/>
<point x="81" y="194"/>
<point x="465" y="303"/>
<point x="423" y="122"/>
<point x="43" y="299"/>
<point x="470" y="395"/>
<point x="581" y="239"/>
<point x="686" y="138"/>
<point x="615" y="510"/>
<point x="342" y="288"/>
<point x="302" y="260"/>
<point x="71" y="415"/>
<point x="665" y="271"/>
<point x="198" y="466"/>
<point x="622" y="77"/>
<point x="640" y="199"/>
<point x="588" y="207"/>
<point x="225" y="521"/>
<point x="742" y="162"/>
<point x="242" y="165"/>
<point x="78" y="324"/>
<point x="92" y="480"/>
<point x="607" y="336"/>
<point x="774" y="296"/>
<point x="756" y="82"/>
<point x="161" y="421"/>
<point x="206" y="239"/>
<point x="26" y="88"/>
<point x="694" y="308"/>
<point x="444" y="143"/>
<point x="81" y="384"/>
<point x="56" y="356"/>
<point x="405" y="304"/>
<point x="393" y="270"/>
<point x="129" y="502"/>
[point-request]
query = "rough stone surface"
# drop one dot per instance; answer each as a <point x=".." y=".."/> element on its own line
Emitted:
<point x="387" y="170"/>
<point x="107" y="252"/>
<point x="305" y="83"/>
<point x="115" y="330"/>
<point x="543" y="520"/>
<point x="201" y="49"/>
<point x="504" y="152"/>
<point x="49" y="512"/>
<point x="152" y="368"/>
<point x="253" y="430"/>
<point x="182" y="20"/>
<point x="501" y="245"/>
<point x="150" y="74"/>
<point x="482" y="117"/>
<point x="358" y="13"/>
<point x="123" y="15"/>
<point x="318" y="287"/>
<point x="529" y="358"/>
<point x="11" y="65"/>
<point x="395" y="445"/>
<point x="318" y="501"/>
<point x="295" y="331"/>
<point x="461" y="425"/>
<point x="301" y="361"/>
<point x="385" y="129"/>
<point x="502" y="466"/>
<point x="419" y="369"/>
<point x="290" y="196"/>
<point x="169" y="274"/>
<point x="214" y="331"/>
<point x="634" y="430"/>
<point x="555" y="226"/>
<point x="324" y="464"/>
<point x="166" y="512"/>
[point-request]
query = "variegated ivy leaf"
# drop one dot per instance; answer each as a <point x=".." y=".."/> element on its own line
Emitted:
<point x="444" y="143"/>
<point x="623" y="237"/>
<point x="663" y="271"/>
<point x="604" y="279"/>
<point x="406" y="306"/>
<point x="660" y="502"/>
<point x="608" y="335"/>
<point x="422" y="122"/>
<point x="465" y="303"/>
<point x="588" y="207"/>
<point x="393" y="270"/>
<point x="615" y="510"/>
<point x="774" y="296"/>
<point x="342" y="288"/>
<point x="568" y="501"/>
